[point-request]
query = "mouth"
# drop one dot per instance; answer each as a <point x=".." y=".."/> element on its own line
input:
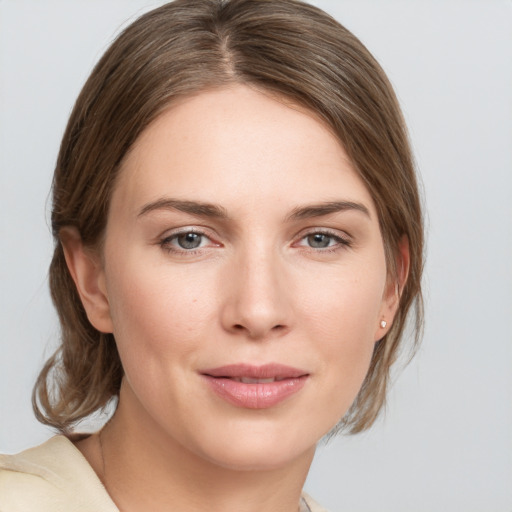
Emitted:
<point x="248" y="380"/>
<point x="255" y="387"/>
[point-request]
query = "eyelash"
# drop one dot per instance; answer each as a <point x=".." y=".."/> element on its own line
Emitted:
<point x="339" y="242"/>
<point x="166" y="243"/>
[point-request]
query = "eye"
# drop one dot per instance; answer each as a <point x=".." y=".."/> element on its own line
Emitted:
<point x="320" y="240"/>
<point x="186" y="242"/>
<point x="189" y="240"/>
<point x="323" y="240"/>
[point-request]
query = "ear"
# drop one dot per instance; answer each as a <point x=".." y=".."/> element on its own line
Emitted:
<point x="394" y="287"/>
<point x="86" y="269"/>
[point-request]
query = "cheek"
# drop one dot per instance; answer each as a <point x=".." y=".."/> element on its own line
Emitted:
<point x="348" y="304"/>
<point x="343" y="321"/>
<point x="155" y="311"/>
<point x="159" y="320"/>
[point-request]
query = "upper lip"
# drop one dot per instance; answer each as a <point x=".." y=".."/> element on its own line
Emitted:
<point x="265" y="371"/>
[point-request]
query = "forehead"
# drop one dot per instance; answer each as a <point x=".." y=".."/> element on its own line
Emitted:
<point x="238" y="143"/>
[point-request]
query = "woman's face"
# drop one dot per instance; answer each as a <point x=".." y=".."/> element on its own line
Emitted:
<point x="246" y="280"/>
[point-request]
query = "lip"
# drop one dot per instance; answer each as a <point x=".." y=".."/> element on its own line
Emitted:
<point x="225" y="382"/>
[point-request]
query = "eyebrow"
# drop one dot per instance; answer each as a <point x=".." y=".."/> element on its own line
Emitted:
<point x="197" y="208"/>
<point x="202" y="209"/>
<point x="320" y="209"/>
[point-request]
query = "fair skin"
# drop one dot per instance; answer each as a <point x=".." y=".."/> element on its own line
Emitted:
<point x="238" y="234"/>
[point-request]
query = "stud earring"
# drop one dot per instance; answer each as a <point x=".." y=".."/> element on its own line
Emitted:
<point x="383" y="324"/>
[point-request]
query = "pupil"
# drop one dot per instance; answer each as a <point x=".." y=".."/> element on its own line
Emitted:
<point x="319" y="240"/>
<point x="189" y="240"/>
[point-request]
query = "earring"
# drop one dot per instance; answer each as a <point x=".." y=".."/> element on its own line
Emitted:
<point x="383" y="324"/>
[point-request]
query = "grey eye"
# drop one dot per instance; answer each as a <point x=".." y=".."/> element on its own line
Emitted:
<point x="189" y="240"/>
<point x="319" y="240"/>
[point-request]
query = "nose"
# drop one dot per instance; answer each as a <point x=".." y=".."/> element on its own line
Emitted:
<point x="257" y="297"/>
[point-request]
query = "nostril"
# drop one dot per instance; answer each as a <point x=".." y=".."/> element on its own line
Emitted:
<point x="275" y="328"/>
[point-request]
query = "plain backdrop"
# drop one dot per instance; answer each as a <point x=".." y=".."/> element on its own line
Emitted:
<point x="445" y="442"/>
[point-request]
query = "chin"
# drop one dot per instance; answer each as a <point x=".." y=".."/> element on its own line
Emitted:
<point x="260" y="448"/>
<point x="257" y="459"/>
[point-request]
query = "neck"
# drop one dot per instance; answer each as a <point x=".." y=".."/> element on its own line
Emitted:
<point x="143" y="469"/>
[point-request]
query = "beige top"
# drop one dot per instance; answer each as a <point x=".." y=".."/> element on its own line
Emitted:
<point x="56" y="477"/>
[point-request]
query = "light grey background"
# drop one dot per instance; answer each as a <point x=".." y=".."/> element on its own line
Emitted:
<point x="445" y="443"/>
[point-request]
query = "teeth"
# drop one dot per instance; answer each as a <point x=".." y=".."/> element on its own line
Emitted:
<point x="247" y="380"/>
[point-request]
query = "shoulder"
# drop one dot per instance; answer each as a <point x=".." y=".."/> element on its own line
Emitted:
<point x="308" y="504"/>
<point x="51" y="477"/>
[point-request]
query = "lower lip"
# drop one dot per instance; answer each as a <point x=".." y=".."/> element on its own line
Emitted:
<point x="258" y="395"/>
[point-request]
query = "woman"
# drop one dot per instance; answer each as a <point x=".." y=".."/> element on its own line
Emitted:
<point x="238" y="246"/>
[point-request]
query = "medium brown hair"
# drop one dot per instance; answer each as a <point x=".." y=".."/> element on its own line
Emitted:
<point x="285" y="47"/>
